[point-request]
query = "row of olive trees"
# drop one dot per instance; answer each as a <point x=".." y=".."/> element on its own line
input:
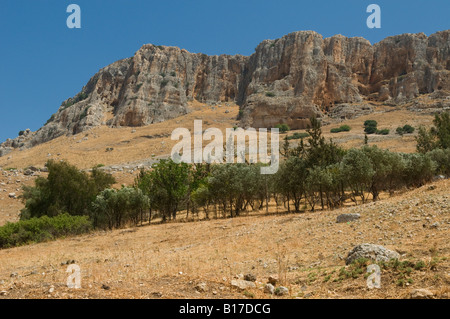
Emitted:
<point x="314" y="173"/>
<point x="117" y="208"/>
<point x="361" y="174"/>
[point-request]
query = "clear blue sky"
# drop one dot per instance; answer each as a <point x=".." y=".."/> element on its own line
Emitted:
<point x="42" y="62"/>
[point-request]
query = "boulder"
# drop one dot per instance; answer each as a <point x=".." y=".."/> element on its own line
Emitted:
<point x="269" y="289"/>
<point x="371" y="251"/>
<point x="421" y="294"/>
<point x="242" y="284"/>
<point x="343" y="218"/>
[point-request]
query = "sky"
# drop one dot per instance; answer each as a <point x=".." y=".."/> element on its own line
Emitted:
<point x="43" y="62"/>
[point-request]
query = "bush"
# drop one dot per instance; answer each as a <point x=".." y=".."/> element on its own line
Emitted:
<point x="437" y="136"/>
<point x="297" y="136"/>
<point x="270" y="94"/>
<point x="282" y="127"/>
<point x="372" y="123"/>
<point x="441" y="157"/>
<point x="342" y="128"/>
<point x="407" y="129"/>
<point x="65" y="190"/>
<point x="41" y="229"/>
<point x="370" y="126"/>
<point x="370" y="130"/>
<point x="419" y="169"/>
<point x="383" y="132"/>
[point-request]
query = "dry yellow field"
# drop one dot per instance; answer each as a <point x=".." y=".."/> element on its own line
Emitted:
<point x="306" y="250"/>
<point x="170" y="260"/>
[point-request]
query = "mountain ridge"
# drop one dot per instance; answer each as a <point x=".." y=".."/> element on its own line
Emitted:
<point x="286" y="80"/>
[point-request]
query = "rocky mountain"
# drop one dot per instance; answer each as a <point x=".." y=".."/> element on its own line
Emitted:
<point x="287" y="80"/>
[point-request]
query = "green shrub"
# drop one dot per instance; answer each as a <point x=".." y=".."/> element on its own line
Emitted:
<point x="383" y="132"/>
<point x="41" y="229"/>
<point x="342" y="128"/>
<point x="370" y="126"/>
<point x="438" y="136"/>
<point x="282" y="127"/>
<point x="297" y="136"/>
<point x="370" y="129"/>
<point x="408" y="129"/>
<point x="441" y="157"/>
<point x="65" y="190"/>
<point x="270" y="94"/>
<point x="372" y="123"/>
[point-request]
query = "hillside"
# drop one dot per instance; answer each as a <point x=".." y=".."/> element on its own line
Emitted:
<point x="133" y="148"/>
<point x="199" y="260"/>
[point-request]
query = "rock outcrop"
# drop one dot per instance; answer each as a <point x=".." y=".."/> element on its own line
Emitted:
<point x="287" y="80"/>
<point x="371" y="251"/>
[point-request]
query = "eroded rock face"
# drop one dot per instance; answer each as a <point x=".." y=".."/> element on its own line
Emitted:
<point x="152" y="86"/>
<point x="287" y="80"/>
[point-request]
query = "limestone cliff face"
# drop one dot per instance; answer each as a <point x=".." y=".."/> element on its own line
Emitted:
<point x="287" y="80"/>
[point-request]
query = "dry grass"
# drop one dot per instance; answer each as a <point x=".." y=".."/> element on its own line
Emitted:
<point x="168" y="260"/>
<point x="128" y="146"/>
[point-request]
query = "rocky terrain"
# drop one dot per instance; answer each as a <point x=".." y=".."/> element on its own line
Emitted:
<point x="287" y="80"/>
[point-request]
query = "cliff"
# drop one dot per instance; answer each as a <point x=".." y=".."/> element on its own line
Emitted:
<point x="287" y="80"/>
